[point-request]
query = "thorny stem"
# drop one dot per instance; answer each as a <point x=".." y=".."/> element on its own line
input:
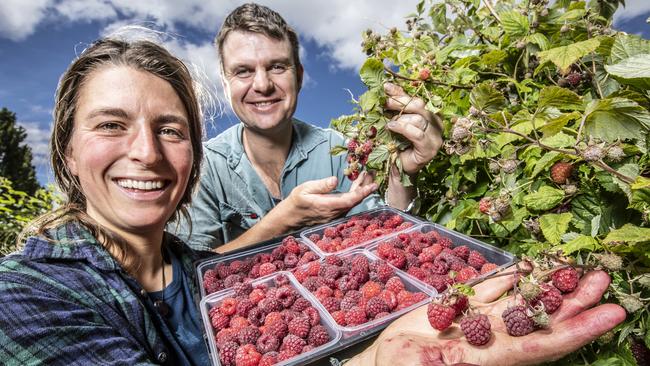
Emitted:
<point x="436" y="82"/>
<point x="491" y="9"/>
<point x="611" y="170"/>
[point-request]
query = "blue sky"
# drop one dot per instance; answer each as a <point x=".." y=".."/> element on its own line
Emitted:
<point x="39" y="38"/>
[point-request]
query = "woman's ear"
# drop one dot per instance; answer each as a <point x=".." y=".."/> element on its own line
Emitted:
<point x="70" y="161"/>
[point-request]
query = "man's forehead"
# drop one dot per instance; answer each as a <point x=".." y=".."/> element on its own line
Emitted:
<point x="247" y="47"/>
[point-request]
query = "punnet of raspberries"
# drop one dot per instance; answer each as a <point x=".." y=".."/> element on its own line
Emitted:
<point x="289" y="255"/>
<point x="359" y="289"/>
<point x="270" y="331"/>
<point x="432" y="258"/>
<point x="358" y="230"/>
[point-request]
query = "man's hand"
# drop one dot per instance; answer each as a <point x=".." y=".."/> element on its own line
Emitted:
<point x="415" y="123"/>
<point x="313" y="203"/>
<point x="410" y="340"/>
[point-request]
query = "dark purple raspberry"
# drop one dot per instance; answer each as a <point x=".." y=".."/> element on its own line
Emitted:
<point x="286" y="295"/>
<point x="281" y="280"/>
<point x="477" y="329"/>
<point x="278" y="329"/>
<point x="291" y="260"/>
<point x="244" y="306"/>
<point x="227" y="353"/>
<point x="233" y="279"/>
<point x="318" y="336"/>
<point x="256" y="316"/>
<point x="248" y="335"/>
<point x="517" y="321"/>
<point x="267" y="343"/>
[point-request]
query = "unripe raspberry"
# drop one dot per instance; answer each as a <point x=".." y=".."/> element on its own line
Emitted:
<point x="570" y="189"/>
<point x="485" y="204"/>
<point x="593" y="153"/>
<point x="509" y="165"/>
<point x="494" y="167"/>
<point x="474" y="111"/>
<point x="615" y="153"/>
<point x="532" y="226"/>
<point x="371" y="132"/>
<point x="463" y="122"/>
<point x="460" y="133"/>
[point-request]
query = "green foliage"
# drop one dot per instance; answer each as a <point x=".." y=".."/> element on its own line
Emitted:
<point x="15" y="156"/>
<point x="17" y="208"/>
<point x="522" y="85"/>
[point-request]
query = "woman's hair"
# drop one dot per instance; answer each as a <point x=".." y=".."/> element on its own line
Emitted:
<point x="143" y="55"/>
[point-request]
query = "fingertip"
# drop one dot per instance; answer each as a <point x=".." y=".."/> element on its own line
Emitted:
<point x="332" y="181"/>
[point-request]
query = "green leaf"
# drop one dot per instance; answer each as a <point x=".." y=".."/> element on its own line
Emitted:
<point x="629" y="233"/>
<point x="371" y="99"/>
<point x="538" y="39"/>
<point x="486" y="98"/>
<point x="632" y="71"/>
<point x="557" y="124"/>
<point x="554" y="226"/>
<point x="582" y="242"/>
<point x="515" y="24"/>
<point x="545" y="162"/>
<point x="378" y="156"/>
<point x="626" y="46"/>
<point x="544" y="199"/>
<point x="372" y="73"/>
<point x="572" y="15"/>
<point x="611" y="119"/>
<point x="493" y="57"/>
<point x="337" y="150"/>
<point x="554" y="96"/>
<point x="565" y="56"/>
<point x="559" y="140"/>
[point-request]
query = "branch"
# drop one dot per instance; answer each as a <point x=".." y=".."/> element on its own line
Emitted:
<point x="436" y="82"/>
<point x="489" y="6"/>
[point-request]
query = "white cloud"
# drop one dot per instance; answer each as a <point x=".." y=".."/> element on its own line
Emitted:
<point x="633" y="8"/>
<point x="37" y="139"/>
<point x="21" y="17"/>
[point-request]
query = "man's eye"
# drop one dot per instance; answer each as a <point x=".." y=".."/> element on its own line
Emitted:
<point x="172" y="132"/>
<point x="278" y="68"/>
<point x="243" y="73"/>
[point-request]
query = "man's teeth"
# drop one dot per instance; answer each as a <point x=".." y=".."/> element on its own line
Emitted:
<point x="140" y="184"/>
<point x="262" y="104"/>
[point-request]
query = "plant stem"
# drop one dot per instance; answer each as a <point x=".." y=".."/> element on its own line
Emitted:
<point x="491" y="9"/>
<point x="436" y="82"/>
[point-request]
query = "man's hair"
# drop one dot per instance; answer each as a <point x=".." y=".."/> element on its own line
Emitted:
<point x="255" y="18"/>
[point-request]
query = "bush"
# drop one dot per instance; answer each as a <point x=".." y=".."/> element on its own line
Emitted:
<point x="546" y="134"/>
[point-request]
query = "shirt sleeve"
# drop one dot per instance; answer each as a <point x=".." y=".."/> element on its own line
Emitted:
<point x="38" y="327"/>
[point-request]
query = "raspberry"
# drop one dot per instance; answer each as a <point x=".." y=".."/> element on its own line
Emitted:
<point x="267" y="343"/>
<point x="226" y="335"/>
<point x="313" y="315"/>
<point x="397" y="258"/>
<point x="318" y="336"/>
<point x="462" y="252"/>
<point x="286" y="295"/>
<point x="404" y="297"/>
<point x="384" y="272"/>
<point x="228" y="306"/>
<point x="439" y="282"/>
<point x="223" y="270"/>
<point x="418" y="273"/>
<point x="269" y="359"/>
<point x="339" y="317"/>
<point x="360" y="263"/>
<point x="352" y="145"/>
<point x="383" y="249"/>
<point x="232" y="280"/>
<point x="313" y="283"/>
<point x="574" y="78"/>
<point x="227" y="353"/>
<point x="278" y="329"/>
<point x="248" y="335"/>
<point x="394" y="284"/>
<point x="488" y="267"/>
<point x="247" y="355"/>
<point x="561" y="171"/>
<point x="356" y="316"/>
<point x="242" y="289"/>
<point x="332" y="304"/>
<point x="476" y="259"/>
<point x="256" y="316"/>
<point x="424" y="74"/>
<point x="375" y="306"/>
<point x="640" y="352"/>
<point x="290" y="260"/>
<point x="440" y="316"/>
<point x="348" y="302"/>
<point x="565" y="279"/>
<point x="293" y="344"/>
<point x="333" y="260"/>
<point x="347" y="283"/>
<point x="412" y="260"/>
<point x="267" y="268"/>
<point x="485" y="204"/>
<point x="300" y="326"/>
<point x="476" y="329"/>
<point x="517" y="321"/>
<point x="427" y="255"/>
<point x="272" y="317"/>
<point x="219" y="321"/>
<point x="389" y="298"/>
<point x="466" y="274"/>
<point x="459" y="303"/>
<point x="285" y="355"/>
<point x="370" y="289"/>
<point x="244" y="306"/>
<point x="300" y="304"/>
<point x="550" y="297"/>
<point x="210" y="282"/>
<point x="270" y="304"/>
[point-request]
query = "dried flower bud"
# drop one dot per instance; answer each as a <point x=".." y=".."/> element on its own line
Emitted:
<point x="615" y="153"/>
<point x="631" y="303"/>
<point x="610" y="261"/>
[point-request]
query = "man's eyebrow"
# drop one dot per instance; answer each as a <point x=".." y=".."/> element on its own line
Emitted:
<point x="279" y="60"/>
<point x="171" y="118"/>
<point x="114" y="112"/>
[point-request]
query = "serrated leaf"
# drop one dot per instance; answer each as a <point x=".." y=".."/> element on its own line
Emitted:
<point x="557" y="124"/>
<point x="629" y="233"/>
<point x="582" y="242"/>
<point x="564" y="56"/>
<point x="538" y="39"/>
<point x="545" y="162"/>
<point x="572" y="15"/>
<point x="634" y="71"/>
<point x="626" y="46"/>
<point x="554" y="226"/>
<point x="337" y="150"/>
<point x="371" y="99"/>
<point x="515" y="24"/>
<point x="544" y="199"/>
<point x="611" y="119"/>
<point x="554" y="96"/>
<point x="486" y="98"/>
<point x="559" y="140"/>
<point x="595" y="225"/>
<point x="493" y="57"/>
<point x="378" y="156"/>
<point x="372" y="73"/>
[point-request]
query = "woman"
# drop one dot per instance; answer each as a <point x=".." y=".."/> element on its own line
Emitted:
<point x="100" y="282"/>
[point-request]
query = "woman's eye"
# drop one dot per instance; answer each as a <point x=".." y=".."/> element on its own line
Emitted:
<point x="109" y="126"/>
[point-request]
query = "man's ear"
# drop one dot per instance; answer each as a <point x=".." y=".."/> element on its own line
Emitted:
<point x="299" y="73"/>
<point x="224" y="84"/>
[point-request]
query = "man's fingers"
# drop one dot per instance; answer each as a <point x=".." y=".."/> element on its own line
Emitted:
<point x="589" y="292"/>
<point x="363" y="179"/>
<point x="492" y="289"/>
<point x="319" y="186"/>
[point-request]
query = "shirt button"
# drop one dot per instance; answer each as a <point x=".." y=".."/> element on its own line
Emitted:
<point x="253" y="216"/>
<point x="162" y="357"/>
<point x="143" y="292"/>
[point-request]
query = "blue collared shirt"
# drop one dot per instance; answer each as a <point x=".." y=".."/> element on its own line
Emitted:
<point x="231" y="196"/>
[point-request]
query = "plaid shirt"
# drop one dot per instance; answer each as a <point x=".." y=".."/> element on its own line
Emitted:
<point x="68" y="301"/>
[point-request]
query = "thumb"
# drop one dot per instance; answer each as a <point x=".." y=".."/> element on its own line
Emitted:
<point x="319" y="186"/>
<point x="393" y="89"/>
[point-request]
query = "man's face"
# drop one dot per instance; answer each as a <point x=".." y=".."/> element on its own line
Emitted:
<point x="261" y="80"/>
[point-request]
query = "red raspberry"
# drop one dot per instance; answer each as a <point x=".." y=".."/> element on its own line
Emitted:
<point x="272" y="317"/>
<point x="445" y="242"/>
<point x="333" y="260"/>
<point x="565" y="279"/>
<point x="418" y="273"/>
<point x="248" y="335"/>
<point x="293" y="344"/>
<point x="355" y="316"/>
<point x="226" y="335"/>
<point x="339" y="317"/>
<point x="347" y="283"/>
<point x="517" y="321"/>
<point x="247" y="355"/>
<point x="232" y="280"/>
<point x="418" y="296"/>
<point x="367" y="147"/>
<point x="384" y="272"/>
<point x="360" y="263"/>
<point x="370" y="289"/>
<point x="242" y="289"/>
<point x="331" y="304"/>
<point x="375" y="306"/>
<point x="412" y="261"/>
<point x="466" y="274"/>
<point x="267" y="269"/>
<point x="352" y="145"/>
<point x="228" y="306"/>
<point x="300" y="326"/>
<point x="424" y="74"/>
<point x="223" y="270"/>
<point x="300" y="304"/>
<point x="476" y="259"/>
<point x="383" y="249"/>
<point x="256" y="316"/>
<point x="330" y="232"/>
<point x="348" y="302"/>
<point x="389" y="298"/>
<point x="267" y="343"/>
<point x="278" y="329"/>
<point x="439" y="282"/>
<point x="427" y="255"/>
<point x="484" y="205"/>
<point x="459" y="303"/>
<point x="404" y="297"/>
<point x="561" y="171"/>
<point x="488" y="267"/>
<point x="211" y="282"/>
<point x="394" y="284"/>
<point x="477" y="329"/>
<point x="219" y="321"/>
<point x="440" y="316"/>
<point x="269" y="359"/>
<point x="286" y="295"/>
<point x="550" y="297"/>
<point x="227" y="353"/>
<point x="462" y="252"/>
<point x="244" y="306"/>
<point x="285" y="355"/>
<point x="397" y="258"/>
<point x="313" y="315"/>
<point x="318" y="336"/>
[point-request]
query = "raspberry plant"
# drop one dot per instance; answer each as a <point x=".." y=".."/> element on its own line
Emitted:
<point x="522" y="86"/>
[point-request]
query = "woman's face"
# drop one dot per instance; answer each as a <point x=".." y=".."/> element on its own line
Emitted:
<point x="130" y="149"/>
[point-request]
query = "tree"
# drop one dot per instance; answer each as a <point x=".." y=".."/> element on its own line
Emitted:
<point x="16" y="157"/>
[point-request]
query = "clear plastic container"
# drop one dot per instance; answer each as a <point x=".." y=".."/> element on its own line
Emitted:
<point x="216" y="298"/>
<point x="379" y="212"/>
<point x="210" y="263"/>
<point x="373" y="326"/>
<point x="491" y="253"/>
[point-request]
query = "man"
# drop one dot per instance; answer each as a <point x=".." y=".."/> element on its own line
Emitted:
<point x="272" y="174"/>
